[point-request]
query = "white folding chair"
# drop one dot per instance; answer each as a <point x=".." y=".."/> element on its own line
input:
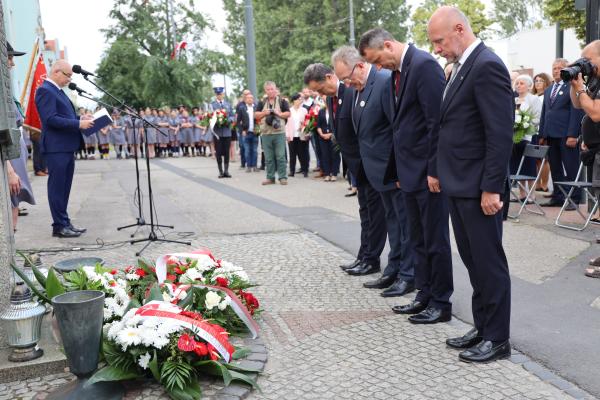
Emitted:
<point x="585" y="190"/>
<point x="536" y="152"/>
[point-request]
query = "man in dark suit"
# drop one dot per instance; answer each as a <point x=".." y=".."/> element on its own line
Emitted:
<point x="61" y="137"/>
<point x="248" y="128"/>
<point x="474" y="147"/>
<point x="372" y="116"/>
<point x="321" y="78"/>
<point x="241" y="104"/>
<point x="560" y="123"/>
<point x="416" y="94"/>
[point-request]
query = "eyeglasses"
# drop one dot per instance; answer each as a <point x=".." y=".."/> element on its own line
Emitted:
<point x="65" y="74"/>
<point x="349" y="77"/>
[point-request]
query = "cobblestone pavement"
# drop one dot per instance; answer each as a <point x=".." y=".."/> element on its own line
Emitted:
<point x="327" y="336"/>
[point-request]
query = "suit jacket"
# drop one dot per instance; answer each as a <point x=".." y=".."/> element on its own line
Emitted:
<point x="416" y="120"/>
<point x="559" y="118"/>
<point x="476" y="127"/>
<point x="243" y="118"/>
<point x="343" y="130"/>
<point x="60" y="123"/>
<point x="224" y="131"/>
<point x="372" y="117"/>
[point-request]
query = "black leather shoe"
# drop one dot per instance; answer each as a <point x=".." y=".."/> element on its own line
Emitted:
<point x="399" y="288"/>
<point x="226" y="175"/>
<point x="65" y="233"/>
<point x="414" y="307"/>
<point x="570" y="207"/>
<point x="364" y="269"/>
<point x="466" y="341"/>
<point x="351" y="265"/>
<point x="431" y="315"/>
<point x="486" y="351"/>
<point x="553" y="203"/>
<point x="221" y="176"/>
<point x="78" y="230"/>
<point x="380" y="283"/>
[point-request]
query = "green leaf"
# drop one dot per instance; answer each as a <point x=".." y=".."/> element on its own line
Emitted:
<point x="115" y="357"/>
<point x="133" y="303"/>
<point x="44" y="298"/>
<point x="240" y="352"/>
<point x="234" y="367"/>
<point x="36" y="272"/>
<point x="238" y="376"/>
<point x="110" y="373"/>
<point x="176" y="374"/>
<point x="53" y="285"/>
<point x="154" y="294"/>
<point x="187" y="301"/>
<point x="154" y="368"/>
<point x="214" y="368"/>
<point x="191" y="391"/>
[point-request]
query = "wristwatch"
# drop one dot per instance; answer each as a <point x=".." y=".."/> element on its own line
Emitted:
<point x="578" y="93"/>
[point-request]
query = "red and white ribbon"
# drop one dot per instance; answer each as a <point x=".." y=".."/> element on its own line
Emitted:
<point x="161" y="262"/>
<point x="161" y="310"/>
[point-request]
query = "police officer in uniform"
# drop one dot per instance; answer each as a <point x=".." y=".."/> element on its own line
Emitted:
<point x="223" y="133"/>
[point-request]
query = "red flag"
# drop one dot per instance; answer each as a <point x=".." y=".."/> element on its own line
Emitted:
<point x="181" y="46"/>
<point x="32" y="118"/>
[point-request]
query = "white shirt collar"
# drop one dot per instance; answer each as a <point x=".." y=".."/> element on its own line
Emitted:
<point x="54" y="83"/>
<point x="402" y="57"/>
<point x="468" y="51"/>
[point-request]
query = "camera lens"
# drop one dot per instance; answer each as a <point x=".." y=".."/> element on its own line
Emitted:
<point x="570" y="73"/>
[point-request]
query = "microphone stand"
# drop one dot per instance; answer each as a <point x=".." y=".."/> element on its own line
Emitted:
<point x="152" y="237"/>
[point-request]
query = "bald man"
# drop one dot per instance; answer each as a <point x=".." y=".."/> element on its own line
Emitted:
<point x="474" y="147"/>
<point x="61" y="137"/>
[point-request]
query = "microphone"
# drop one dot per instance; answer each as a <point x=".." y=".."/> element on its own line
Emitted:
<point x="78" y="70"/>
<point x="73" y="86"/>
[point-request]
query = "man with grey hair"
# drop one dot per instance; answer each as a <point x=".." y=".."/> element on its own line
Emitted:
<point x="320" y="78"/>
<point x="560" y="123"/>
<point x="372" y="117"/>
<point x="474" y="147"/>
<point x="272" y="112"/>
<point x="413" y="159"/>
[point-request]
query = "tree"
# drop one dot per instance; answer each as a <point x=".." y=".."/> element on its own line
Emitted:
<point x="515" y="15"/>
<point x="291" y="35"/>
<point x="139" y="65"/>
<point x="566" y="15"/>
<point x="473" y="9"/>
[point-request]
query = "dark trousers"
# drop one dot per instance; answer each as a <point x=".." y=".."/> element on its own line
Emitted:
<point x="400" y="258"/>
<point x="427" y="215"/>
<point x="479" y="241"/>
<point x="242" y="144"/>
<point x="250" y="146"/>
<point x="373" y="232"/>
<point x="222" y="149"/>
<point x="298" y="149"/>
<point x="316" y="147"/>
<point x="39" y="164"/>
<point x="560" y="156"/>
<point x="61" y="167"/>
<point x="330" y="158"/>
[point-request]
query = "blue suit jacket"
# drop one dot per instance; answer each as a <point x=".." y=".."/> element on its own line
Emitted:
<point x="343" y="129"/>
<point x="372" y="116"/>
<point x="416" y="120"/>
<point x="559" y="118"/>
<point x="60" y="124"/>
<point x="223" y="132"/>
<point x="476" y="128"/>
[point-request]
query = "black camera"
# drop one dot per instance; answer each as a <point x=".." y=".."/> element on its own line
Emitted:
<point x="272" y="120"/>
<point x="582" y="66"/>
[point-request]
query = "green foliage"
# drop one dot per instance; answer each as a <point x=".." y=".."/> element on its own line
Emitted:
<point x="39" y="293"/>
<point x="214" y="368"/>
<point x="110" y="373"/>
<point x="473" y="9"/>
<point x="53" y="286"/>
<point x="515" y="15"/>
<point x="176" y="374"/>
<point x="291" y="35"/>
<point x="154" y="367"/>
<point x="191" y="391"/>
<point x="154" y="294"/>
<point x="116" y="358"/>
<point x="566" y="15"/>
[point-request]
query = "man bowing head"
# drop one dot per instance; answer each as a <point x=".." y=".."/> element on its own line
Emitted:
<point x="474" y="147"/>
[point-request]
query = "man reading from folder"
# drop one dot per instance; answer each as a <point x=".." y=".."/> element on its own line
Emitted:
<point x="61" y="138"/>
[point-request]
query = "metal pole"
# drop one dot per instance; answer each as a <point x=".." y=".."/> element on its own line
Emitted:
<point x="171" y="19"/>
<point x="351" y="12"/>
<point x="592" y="14"/>
<point x="560" y="38"/>
<point x="250" y="49"/>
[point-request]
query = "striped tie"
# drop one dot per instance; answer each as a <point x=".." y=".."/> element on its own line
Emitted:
<point x="554" y="92"/>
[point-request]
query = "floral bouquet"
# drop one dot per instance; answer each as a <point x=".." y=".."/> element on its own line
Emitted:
<point x="205" y="120"/>
<point x="171" y="345"/>
<point x="523" y="125"/>
<point x="222" y="119"/>
<point x="309" y="125"/>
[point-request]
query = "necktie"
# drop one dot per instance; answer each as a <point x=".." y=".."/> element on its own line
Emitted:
<point x="452" y="77"/>
<point x="397" y="83"/>
<point x="334" y="106"/>
<point x="554" y="92"/>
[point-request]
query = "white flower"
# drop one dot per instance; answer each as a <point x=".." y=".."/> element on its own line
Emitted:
<point x="191" y="275"/>
<point x="166" y="297"/>
<point x="129" y="337"/>
<point x="526" y="125"/>
<point x="144" y="360"/>
<point x="160" y="341"/>
<point x="205" y="263"/>
<point x="212" y="300"/>
<point x="132" y="277"/>
<point x="518" y="118"/>
<point x="223" y="304"/>
<point x="133" y="321"/>
<point x="114" y="329"/>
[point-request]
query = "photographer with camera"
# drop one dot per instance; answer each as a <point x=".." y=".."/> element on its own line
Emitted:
<point x="584" y="75"/>
<point x="273" y="111"/>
